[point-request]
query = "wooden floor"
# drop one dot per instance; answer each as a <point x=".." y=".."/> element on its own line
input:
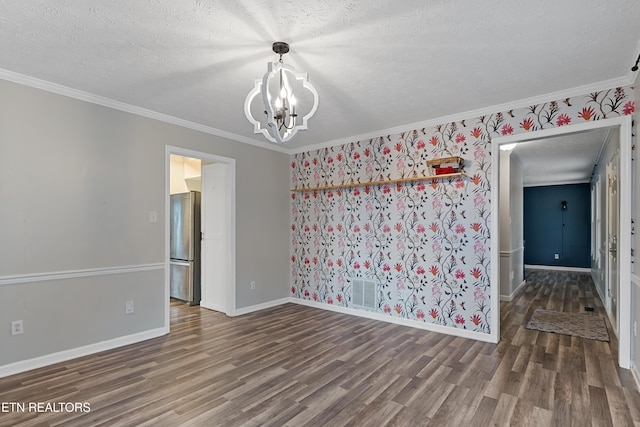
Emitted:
<point x="298" y="366"/>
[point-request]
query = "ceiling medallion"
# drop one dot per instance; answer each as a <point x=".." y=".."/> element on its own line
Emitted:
<point x="288" y="100"/>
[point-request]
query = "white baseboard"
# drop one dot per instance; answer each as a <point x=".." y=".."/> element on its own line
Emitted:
<point x="63" y="356"/>
<point x="214" y="307"/>
<point x="509" y="298"/>
<point x="258" y="307"/>
<point x="558" y="268"/>
<point x="636" y="375"/>
<point x="464" y="333"/>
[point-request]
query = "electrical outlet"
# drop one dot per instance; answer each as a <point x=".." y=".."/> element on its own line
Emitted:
<point x="253" y="284"/>
<point x="557" y="256"/>
<point x="129" y="308"/>
<point x="17" y="327"/>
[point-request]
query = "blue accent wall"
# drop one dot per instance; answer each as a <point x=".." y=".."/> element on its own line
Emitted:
<point x="544" y="234"/>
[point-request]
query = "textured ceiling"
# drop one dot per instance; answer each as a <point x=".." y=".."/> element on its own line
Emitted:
<point x="377" y="64"/>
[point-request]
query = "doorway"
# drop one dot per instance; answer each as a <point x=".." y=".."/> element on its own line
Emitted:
<point x="612" y="236"/>
<point x="623" y="311"/>
<point x="217" y="185"/>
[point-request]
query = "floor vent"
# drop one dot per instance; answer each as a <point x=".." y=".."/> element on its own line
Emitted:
<point x="364" y="293"/>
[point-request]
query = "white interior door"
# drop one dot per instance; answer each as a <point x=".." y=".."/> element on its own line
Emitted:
<point x="216" y="234"/>
<point x="613" y="231"/>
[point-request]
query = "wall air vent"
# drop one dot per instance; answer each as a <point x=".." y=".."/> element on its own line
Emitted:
<point x="363" y="293"/>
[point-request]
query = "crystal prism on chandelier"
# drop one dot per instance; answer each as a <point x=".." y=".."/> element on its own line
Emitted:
<point x="287" y="100"/>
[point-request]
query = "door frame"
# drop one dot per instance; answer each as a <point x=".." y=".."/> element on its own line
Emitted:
<point x="624" y="243"/>
<point x="230" y="308"/>
<point x="612" y="169"/>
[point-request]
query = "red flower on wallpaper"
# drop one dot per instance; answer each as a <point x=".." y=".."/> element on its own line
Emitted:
<point x="367" y="227"/>
<point x="460" y="229"/>
<point x="476" y="179"/>
<point x="434" y="184"/>
<point x="398" y="308"/>
<point x="339" y="227"/>
<point x="329" y="160"/>
<point x="563" y="119"/>
<point x="367" y="265"/>
<point x="386" y="189"/>
<point x="433" y="313"/>
<point x="434" y="270"/>
<point x="329" y="300"/>
<point x="421" y="186"/>
<point x="398" y="187"/>
<point x="293" y="196"/>
<point x="339" y="192"/>
<point x="460" y="138"/>
<point x="434" y="226"/>
<point x="315" y="161"/>
<point x="315" y="260"/>
<point x="476" y="132"/>
<point x="293" y="258"/>
<point x="420" y="228"/>
<point x="434" y="140"/>
<point x="306" y="293"/>
<point x="356" y="192"/>
<point x="306" y="260"/>
<point x="356" y="228"/>
<point x="315" y="227"/>
<point x="459" y="183"/>
<point x="386" y="267"/>
<point x="459" y="274"/>
<point x="386" y="309"/>
<point x="386" y="228"/>
<point x="629" y="108"/>
<point x="459" y="319"/>
<point x="293" y="227"/>
<point x="420" y="145"/>
<point x="420" y="270"/>
<point x="315" y="194"/>
<point x="330" y="228"/>
<point x="476" y="226"/>
<point x="420" y="314"/>
<point x="356" y="155"/>
<point x="293" y="289"/>
<point x="476" y="273"/>
<point x="367" y="152"/>
<point x="329" y="263"/>
<point x="315" y="296"/>
<point x="476" y="320"/>
<point x="306" y="228"/>
<point x="293" y="165"/>
<point x="386" y="150"/>
<point x="339" y="262"/>
<point x="356" y="265"/>
<point x="587" y="113"/>
<point x="398" y="147"/>
<point x="306" y="196"/>
<point x="507" y="129"/>
<point x="329" y="194"/>
<point x="306" y="163"/>
<point x="367" y="189"/>
<point x="398" y="267"/>
<point x="339" y="297"/>
<point x="527" y="124"/>
<point x="398" y="227"/>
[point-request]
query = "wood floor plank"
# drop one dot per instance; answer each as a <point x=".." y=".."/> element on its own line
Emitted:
<point x="296" y="365"/>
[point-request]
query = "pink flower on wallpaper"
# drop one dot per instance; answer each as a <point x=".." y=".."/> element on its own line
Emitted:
<point x="306" y="229"/>
<point x="629" y="108"/>
<point x="307" y="196"/>
<point x="339" y="297"/>
<point x="435" y="247"/>
<point x="339" y="227"/>
<point x="356" y="265"/>
<point x="420" y="314"/>
<point x="341" y="243"/>
<point x="434" y="270"/>
<point x="329" y="263"/>
<point x="400" y="285"/>
<point x="420" y="186"/>
<point x="435" y="290"/>
<point x="460" y="138"/>
<point x="356" y="192"/>
<point x="460" y="229"/>
<point x="420" y="228"/>
<point x="459" y="319"/>
<point x="329" y="194"/>
<point x="476" y="132"/>
<point x="386" y="150"/>
<point x="398" y="267"/>
<point x="527" y="124"/>
<point x="307" y="164"/>
<point x="436" y="203"/>
<point x="386" y="189"/>
<point x="507" y="129"/>
<point x="386" y="308"/>
<point x="367" y="227"/>
<point x="433" y="313"/>
<point x="400" y="206"/>
<point x="478" y="247"/>
<point x="398" y="227"/>
<point x="398" y="147"/>
<point x="306" y="293"/>
<point x="478" y="295"/>
<point x="459" y="274"/>
<point x="476" y="319"/>
<point x="329" y="300"/>
<point x="420" y="145"/>
<point x="459" y="183"/>
<point x="420" y="270"/>
<point x="386" y="267"/>
<point x="398" y="308"/>
<point x="400" y="246"/>
<point x="341" y="173"/>
<point x="400" y="165"/>
<point x="476" y="226"/>
<point x="329" y="160"/>
<point x="479" y="153"/>
<point x="587" y="113"/>
<point x="315" y="227"/>
<point x="369" y="169"/>
<point x="479" y="201"/>
<point x="434" y="227"/>
<point x="434" y="140"/>
<point x="330" y="228"/>
<point x="356" y="155"/>
<point x="356" y="228"/>
<point x="563" y="119"/>
<point x="476" y="273"/>
<point x="386" y="228"/>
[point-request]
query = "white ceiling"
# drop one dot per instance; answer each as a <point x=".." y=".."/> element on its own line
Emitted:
<point x="377" y="64"/>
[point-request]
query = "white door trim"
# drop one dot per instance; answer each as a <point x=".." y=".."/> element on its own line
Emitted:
<point x="231" y="245"/>
<point x="624" y="248"/>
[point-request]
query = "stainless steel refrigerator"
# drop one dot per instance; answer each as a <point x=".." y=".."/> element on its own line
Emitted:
<point x="184" y="253"/>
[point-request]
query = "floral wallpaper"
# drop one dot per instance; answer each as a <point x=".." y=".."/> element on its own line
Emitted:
<point x="426" y="242"/>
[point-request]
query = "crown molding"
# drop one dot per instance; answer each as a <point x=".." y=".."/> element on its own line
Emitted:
<point x="522" y="103"/>
<point x="128" y="108"/>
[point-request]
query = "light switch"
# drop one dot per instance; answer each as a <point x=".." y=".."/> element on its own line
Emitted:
<point x="153" y="216"/>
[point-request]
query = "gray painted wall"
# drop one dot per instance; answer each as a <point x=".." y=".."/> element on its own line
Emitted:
<point x="77" y="182"/>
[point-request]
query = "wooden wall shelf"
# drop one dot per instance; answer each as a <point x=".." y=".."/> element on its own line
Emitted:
<point x="383" y="182"/>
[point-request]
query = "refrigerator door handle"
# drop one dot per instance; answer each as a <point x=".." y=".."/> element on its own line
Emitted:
<point x="183" y="263"/>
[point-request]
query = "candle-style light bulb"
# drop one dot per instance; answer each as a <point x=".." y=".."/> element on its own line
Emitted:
<point x="292" y="102"/>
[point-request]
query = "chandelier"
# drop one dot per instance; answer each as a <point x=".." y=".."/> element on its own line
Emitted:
<point x="288" y="100"/>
